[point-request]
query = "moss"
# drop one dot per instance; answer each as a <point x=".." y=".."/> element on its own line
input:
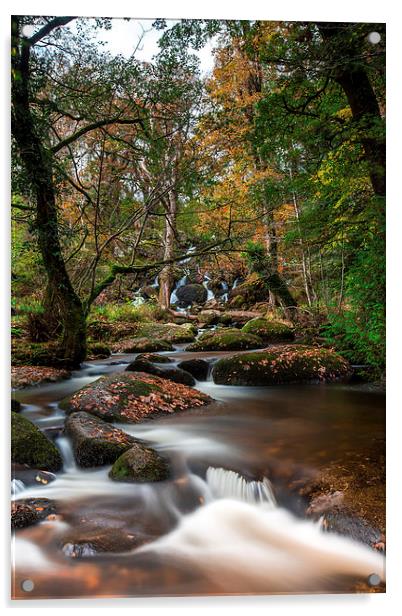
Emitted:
<point x="225" y="340"/>
<point x="140" y="464"/>
<point x="167" y="331"/>
<point x="269" y="331"/>
<point x="98" y="350"/>
<point x="285" y="364"/>
<point x="30" y="446"/>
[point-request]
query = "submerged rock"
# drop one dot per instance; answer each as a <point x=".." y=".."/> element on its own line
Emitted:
<point x="95" y="442"/>
<point x="133" y="396"/>
<point x="225" y="340"/>
<point x="141" y="345"/>
<point x="173" y="374"/>
<point x="190" y="294"/>
<point x="268" y="331"/>
<point x="84" y="542"/>
<point x="29" y="511"/>
<point x="140" y="464"/>
<point x="199" y="368"/>
<point x="31" y="476"/>
<point x="281" y="364"/>
<point x="30" y="446"/>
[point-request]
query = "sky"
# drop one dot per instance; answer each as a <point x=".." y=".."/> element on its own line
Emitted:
<point x="124" y="36"/>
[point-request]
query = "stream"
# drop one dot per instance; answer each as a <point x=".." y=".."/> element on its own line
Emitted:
<point x="196" y="533"/>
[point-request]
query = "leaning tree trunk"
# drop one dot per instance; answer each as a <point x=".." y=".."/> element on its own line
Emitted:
<point x="165" y="277"/>
<point x="37" y="160"/>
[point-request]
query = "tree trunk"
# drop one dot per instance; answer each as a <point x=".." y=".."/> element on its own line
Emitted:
<point x="353" y="79"/>
<point x="165" y="277"/>
<point x="38" y="164"/>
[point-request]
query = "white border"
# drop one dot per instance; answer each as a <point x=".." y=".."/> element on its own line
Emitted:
<point x="305" y="10"/>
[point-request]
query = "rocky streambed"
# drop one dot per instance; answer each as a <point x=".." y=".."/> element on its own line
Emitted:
<point x="129" y="439"/>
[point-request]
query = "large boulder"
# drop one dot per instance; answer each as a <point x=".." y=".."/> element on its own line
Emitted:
<point x="141" y="345"/>
<point x="131" y="397"/>
<point x="209" y="317"/>
<point x="190" y="294"/>
<point x="30" y="446"/>
<point x="171" y="332"/>
<point x="269" y="331"/>
<point x="140" y="464"/>
<point x="281" y="364"/>
<point x="199" y="368"/>
<point x="95" y="442"/>
<point x="225" y="340"/>
<point x="173" y="374"/>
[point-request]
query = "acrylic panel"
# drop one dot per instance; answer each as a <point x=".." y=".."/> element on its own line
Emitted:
<point x="198" y="307"/>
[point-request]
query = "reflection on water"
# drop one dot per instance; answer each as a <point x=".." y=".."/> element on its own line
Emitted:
<point x="174" y="537"/>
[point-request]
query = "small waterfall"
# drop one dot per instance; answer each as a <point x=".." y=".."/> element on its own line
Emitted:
<point x="17" y="486"/>
<point x="173" y="297"/>
<point x="138" y="300"/>
<point x="211" y="294"/>
<point x="228" y="484"/>
<point x="67" y="454"/>
<point x="236" y="282"/>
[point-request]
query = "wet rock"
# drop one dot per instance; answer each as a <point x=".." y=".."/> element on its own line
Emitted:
<point x="15" y="405"/>
<point x="29" y="511"/>
<point x="225" y="340"/>
<point x="130" y="397"/>
<point x="84" y="543"/>
<point x="30" y="446"/>
<point x="31" y="476"/>
<point x="190" y="294"/>
<point x="95" y="442"/>
<point x="141" y="345"/>
<point x="199" y="368"/>
<point x="27" y="376"/>
<point x="343" y="522"/>
<point x="281" y="364"/>
<point x="269" y="331"/>
<point x="97" y="350"/>
<point x="209" y="317"/>
<point x="154" y="358"/>
<point x="173" y="374"/>
<point x="140" y="464"/>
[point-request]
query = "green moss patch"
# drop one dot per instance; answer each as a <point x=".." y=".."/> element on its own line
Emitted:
<point x="281" y="364"/>
<point x="141" y="345"/>
<point x="140" y="464"/>
<point x="225" y="340"/>
<point x="30" y="446"/>
<point x="131" y="397"/>
<point x="269" y="331"/>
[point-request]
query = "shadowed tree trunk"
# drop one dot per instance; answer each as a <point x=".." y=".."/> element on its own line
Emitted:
<point x="351" y="75"/>
<point x="37" y="160"/>
<point x="165" y="277"/>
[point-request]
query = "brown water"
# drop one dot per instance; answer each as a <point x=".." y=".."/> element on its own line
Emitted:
<point x="183" y="540"/>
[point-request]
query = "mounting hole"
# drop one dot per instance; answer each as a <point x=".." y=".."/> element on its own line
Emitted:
<point x="27" y="585"/>
<point x="374" y="38"/>
<point x="374" y="579"/>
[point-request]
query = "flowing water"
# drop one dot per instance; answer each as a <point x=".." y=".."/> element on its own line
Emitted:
<point x="227" y="521"/>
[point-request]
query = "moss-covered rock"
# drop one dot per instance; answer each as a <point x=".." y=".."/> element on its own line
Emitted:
<point x="131" y="397"/>
<point x="209" y="317"/>
<point x="281" y="364"/>
<point x="225" y="340"/>
<point x="24" y="353"/>
<point x="95" y="442"/>
<point x="173" y="374"/>
<point x="171" y="332"/>
<point x="30" y="446"/>
<point x="141" y="345"/>
<point x="269" y="331"/>
<point x="97" y="350"/>
<point x="249" y="292"/>
<point x="154" y="358"/>
<point x="190" y="294"/>
<point x="140" y="464"/>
